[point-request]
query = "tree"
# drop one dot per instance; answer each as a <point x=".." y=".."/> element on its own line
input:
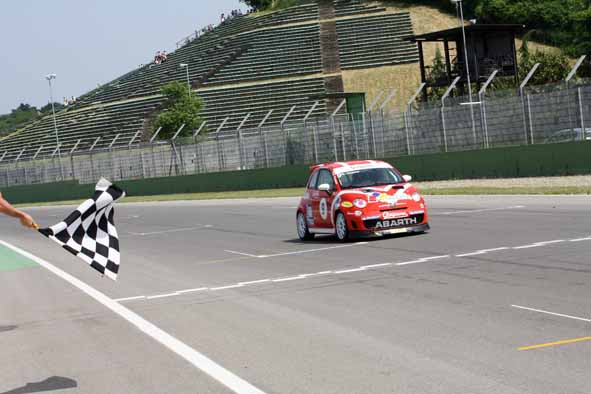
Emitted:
<point x="258" y="5"/>
<point x="181" y="107"/>
<point x="553" y="67"/>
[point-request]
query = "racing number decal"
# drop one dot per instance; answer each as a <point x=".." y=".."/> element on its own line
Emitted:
<point x="323" y="209"/>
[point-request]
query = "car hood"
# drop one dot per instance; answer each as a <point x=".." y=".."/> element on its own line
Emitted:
<point x="397" y="192"/>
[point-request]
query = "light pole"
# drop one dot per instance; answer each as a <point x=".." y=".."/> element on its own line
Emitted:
<point x="186" y="67"/>
<point x="459" y="7"/>
<point x="49" y="78"/>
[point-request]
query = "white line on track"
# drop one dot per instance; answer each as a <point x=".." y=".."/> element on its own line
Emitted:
<point x="288" y="279"/>
<point x="193" y="290"/>
<point x="423" y="260"/>
<point x="266" y="256"/>
<point x="482" y="210"/>
<point x="580" y="239"/>
<point x="241" y="253"/>
<point x="311" y="250"/>
<point x="551" y="313"/>
<point x="163" y="295"/>
<point x="198" y="360"/>
<point x="538" y="244"/>
<point x="482" y="251"/>
<point x="176" y="230"/>
<point x="349" y="270"/>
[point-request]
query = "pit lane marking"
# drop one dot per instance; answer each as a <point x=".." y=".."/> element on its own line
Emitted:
<point x="266" y="256"/>
<point x="354" y="270"/>
<point x="482" y="210"/>
<point x="557" y="343"/>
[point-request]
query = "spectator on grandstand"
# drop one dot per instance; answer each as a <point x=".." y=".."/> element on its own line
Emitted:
<point x="65" y="102"/>
<point x="157" y="58"/>
<point x="163" y="56"/>
<point x="222" y="18"/>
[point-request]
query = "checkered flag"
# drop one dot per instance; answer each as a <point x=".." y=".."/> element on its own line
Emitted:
<point x="89" y="232"/>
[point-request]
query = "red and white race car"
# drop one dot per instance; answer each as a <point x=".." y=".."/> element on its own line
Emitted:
<point x="360" y="197"/>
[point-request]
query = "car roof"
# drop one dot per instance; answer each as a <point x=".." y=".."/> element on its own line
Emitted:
<point x="341" y="166"/>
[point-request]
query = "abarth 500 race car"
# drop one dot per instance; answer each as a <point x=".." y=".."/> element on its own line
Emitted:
<point x="360" y="198"/>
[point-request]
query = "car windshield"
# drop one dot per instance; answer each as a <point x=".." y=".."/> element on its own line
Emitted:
<point x="369" y="177"/>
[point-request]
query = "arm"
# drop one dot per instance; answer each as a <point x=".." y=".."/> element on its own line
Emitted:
<point x="9" y="210"/>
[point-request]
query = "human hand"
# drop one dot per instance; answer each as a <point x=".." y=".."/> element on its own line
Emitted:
<point x="27" y="220"/>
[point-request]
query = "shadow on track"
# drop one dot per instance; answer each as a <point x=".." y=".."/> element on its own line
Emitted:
<point x="49" y="384"/>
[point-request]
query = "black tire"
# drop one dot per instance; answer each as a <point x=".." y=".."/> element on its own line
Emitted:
<point x="302" y="227"/>
<point x="341" y="227"/>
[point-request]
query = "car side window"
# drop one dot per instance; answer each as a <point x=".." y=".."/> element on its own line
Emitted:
<point x="325" y="176"/>
<point x="312" y="182"/>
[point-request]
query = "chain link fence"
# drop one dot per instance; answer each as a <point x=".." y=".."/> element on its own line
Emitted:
<point x="549" y="114"/>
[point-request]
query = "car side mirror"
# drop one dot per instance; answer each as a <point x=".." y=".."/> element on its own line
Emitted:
<point x="325" y="187"/>
<point x="407" y="178"/>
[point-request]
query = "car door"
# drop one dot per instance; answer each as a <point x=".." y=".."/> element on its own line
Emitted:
<point x="309" y="199"/>
<point x="322" y="200"/>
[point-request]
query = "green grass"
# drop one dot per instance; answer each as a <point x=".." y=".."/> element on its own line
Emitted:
<point x="297" y="192"/>
<point x="536" y="190"/>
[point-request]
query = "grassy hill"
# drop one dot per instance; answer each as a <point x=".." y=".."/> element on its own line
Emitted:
<point x="406" y="78"/>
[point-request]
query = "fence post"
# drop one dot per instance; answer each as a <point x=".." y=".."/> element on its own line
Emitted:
<point x="264" y="138"/>
<point x="111" y="156"/>
<point x="72" y="158"/>
<point x="570" y="76"/>
<point x="382" y="111"/>
<point x="16" y="163"/>
<point x="531" y="125"/>
<point x="521" y="91"/>
<point x="239" y="134"/>
<point x="409" y="132"/>
<point x="371" y="125"/>
<point x="308" y="114"/>
<point x="91" y="157"/>
<point x="483" y="119"/>
<point x="581" y="114"/>
<point x="217" y="139"/>
<point x="285" y="136"/>
<point x="152" y="139"/>
<point x="5" y="172"/>
<point x="334" y="130"/>
<point x="445" y="95"/>
<point x="201" y="127"/>
<point x="174" y="153"/>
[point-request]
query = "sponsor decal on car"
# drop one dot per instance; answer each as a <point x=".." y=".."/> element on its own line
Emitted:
<point x="394" y="215"/>
<point x="347" y="204"/>
<point x="397" y="222"/>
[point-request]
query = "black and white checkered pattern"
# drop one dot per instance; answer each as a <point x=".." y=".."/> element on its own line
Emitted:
<point x="89" y="232"/>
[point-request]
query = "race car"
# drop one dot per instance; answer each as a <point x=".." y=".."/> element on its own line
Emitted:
<point x="367" y="197"/>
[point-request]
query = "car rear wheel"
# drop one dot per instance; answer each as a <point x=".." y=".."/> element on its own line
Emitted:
<point x="341" y="227"/>
<point x="303" y="232"/>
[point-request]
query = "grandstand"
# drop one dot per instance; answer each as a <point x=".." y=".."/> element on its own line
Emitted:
<point x="249" y="64"/>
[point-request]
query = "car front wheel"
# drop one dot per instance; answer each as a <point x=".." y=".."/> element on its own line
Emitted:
<point x="341" y="227"/>
<point x="303" y="232"/>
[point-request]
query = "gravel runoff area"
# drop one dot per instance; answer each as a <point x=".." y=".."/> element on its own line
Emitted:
<point x="558" y="181"/>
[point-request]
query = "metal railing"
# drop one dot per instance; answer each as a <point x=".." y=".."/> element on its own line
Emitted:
<point x="534" y="115"/>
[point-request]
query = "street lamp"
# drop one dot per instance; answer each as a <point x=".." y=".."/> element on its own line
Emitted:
<point x="186" y="67"/>
<point x="51" y="77"/>
<point x="459" y="7"/>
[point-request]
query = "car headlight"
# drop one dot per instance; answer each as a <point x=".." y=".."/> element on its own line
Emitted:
<point x="360" y="203"/>
<point x="416" y="197"/>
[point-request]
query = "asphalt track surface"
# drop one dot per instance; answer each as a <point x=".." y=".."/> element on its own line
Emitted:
<point x="443" y="312"/>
